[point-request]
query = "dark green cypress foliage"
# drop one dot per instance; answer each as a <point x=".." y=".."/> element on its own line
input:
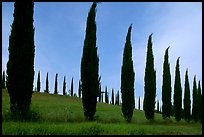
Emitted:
<point x="99" y="94"/>
<point x="166" y="88"/>
<point x="20" y="66"/>
<point x="150" y="83"/>
<point x="106" y="95"/>
<point x="3" y="81"/>
<point x="195" y="108"/>
<point x="112" y="101"/>
<point x="72" y="87"/>
<point x="187" y="100"/>
<point x="79" y="89"/>
<point x="47" y="84"/>
<point x="55" y="89"/>
<point x="117" y="98"/>
<point x="177" y="93"/>
<point x="139" y="103"/>
<point x="38" y="82"/>
<point x="157" y="106"/>
<point x="127" y="79"/>
<point x="90" y="66"/>
<point x="64" y="86"/>
<point x="199" y="102"/>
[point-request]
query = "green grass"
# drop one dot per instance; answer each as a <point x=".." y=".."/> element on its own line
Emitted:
<point x="63" y="115"/>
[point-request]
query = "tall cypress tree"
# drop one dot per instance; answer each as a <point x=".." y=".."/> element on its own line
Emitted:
<point x="90" y="66"/>
<point x="47" y="84"/>
<point x="195" y="108"/>
<point x="112" y="96"/>
<point x="127" y="79"/>
<point x="20" y="66"/>
<point x="166" y="88"/>
<point x="38" y="82"/>
<point x="199" y="102"/>
<point x="157" y="106"/>
<point x="3" y="81"/>
<point x="177" y="93"/>
<point x="55" y="89"/>
<point x="72" y="87"/>
<point x="187" y="100"/>
<point x="79" y="89"/>
<point x="106" y="95"/>
<point x="139" y="103"/>
<point x="150" y="83"/>
<point x="99" y="94"/>
<point x="64" y="86"/>
<point x="117" y="98"/>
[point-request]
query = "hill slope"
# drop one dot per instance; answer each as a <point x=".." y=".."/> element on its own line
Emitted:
<point x="57" y="114"/>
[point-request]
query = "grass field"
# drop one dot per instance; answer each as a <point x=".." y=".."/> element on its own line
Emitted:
<point x="63" y="115"/>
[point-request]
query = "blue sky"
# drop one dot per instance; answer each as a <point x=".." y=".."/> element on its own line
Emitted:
<point x="60" y="32"/>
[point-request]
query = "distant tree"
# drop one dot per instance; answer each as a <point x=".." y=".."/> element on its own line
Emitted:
<point x="106" y="96"/>
<point x="150" y="83"/>
<point x="99" y="94"/>
<point x="117" y="98"/>
<point x="195" y="111"/>
<point x="187" y="101"/>
<point x="127" y="79"/>
<point x="79" y="89"/>
<point x="89" y="67"/>
<point x="38" y="82"/>
<point x="64" y="86"/>
<point x="3" y="81"/>
<point x="177" y="93"/>
<point x="157" y="106"/>
<point x="112" y="96"/>
<point x="139" y="103"/>
<point x="72" y="87"/>
<point x="55" y="90"/>
<point x="47" y="84"/>
<point x="20" y="65"/>
<point x="166" y="88"/>
<point x="199" y="102"/>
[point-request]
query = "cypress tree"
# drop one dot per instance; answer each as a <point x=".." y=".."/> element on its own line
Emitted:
<point x="106" y="95"/>
<point x="195" y="108"/>
<point x="79" y="89"/>
<point x="139" y="103"/>
<point x="20" y="66"/>
<point x="38" y="82"/>
<point x="117" y="98"/>
<point x="177" y="93"/>
<point x="127" y="79"/>
<point x="166" y="88"/>
<point x="3" y="81"/>
<point x="187" y="101"/>
<point x="112" y="96"/>
<point x="199" y="102"/>
<point x="90" y="66"/>
<point x="47" y="84"/>
<point x="157" y="106"/>
<point x="64" y="86"/>
<point x="150" y="83"/>
<point x="72" y="90"/>
<point x="55" y="89"/>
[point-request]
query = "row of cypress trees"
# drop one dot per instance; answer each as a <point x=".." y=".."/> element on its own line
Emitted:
<point x="20" y="70"/>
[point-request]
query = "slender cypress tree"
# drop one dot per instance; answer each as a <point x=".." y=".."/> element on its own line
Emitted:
<point x="177" y="93"/>
<point x="72" y="90"/>
<point x="139" y="103"/>
<point x="90" y="67"/>
<point x="127" y="79"/>
<point x="166" y="88"/>
<point x="195" y="108"/>
<point x="106" y="95"/>
<point x="187" y="100"/>
<point x="47" y="84"/>
<point x="117" y="98"/>
<point x="3" y="81"/>
<point x="150" y="83"/>
<point x="112" y="97"/>
<point x="157" y="106"/>
<point x="55" y="89"/>
<point x="79" y="89"/>
<point x="64" y="86"/>
<point x="20" y="66"/>
<point x="38" y="82"/>
<point x="199" y="102"/>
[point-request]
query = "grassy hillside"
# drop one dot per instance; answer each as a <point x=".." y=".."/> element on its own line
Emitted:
<point x="61" y="115"/>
